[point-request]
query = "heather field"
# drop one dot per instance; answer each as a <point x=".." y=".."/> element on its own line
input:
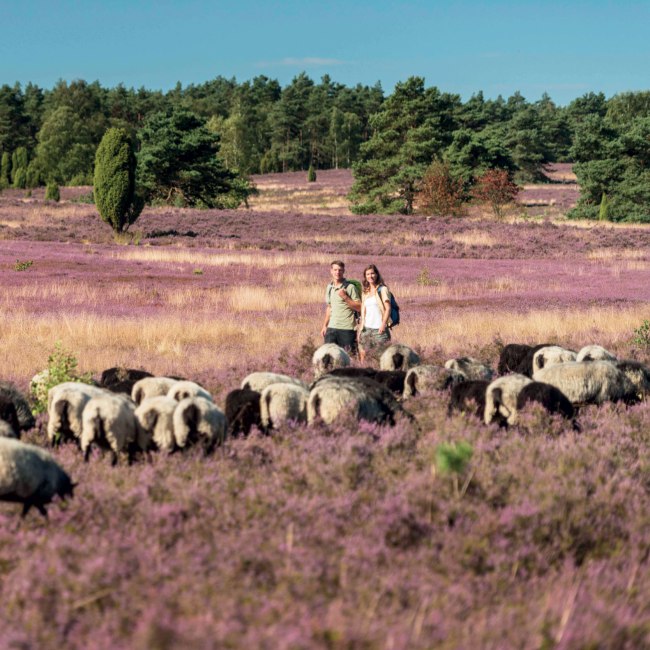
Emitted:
<point x="351" y="536"/>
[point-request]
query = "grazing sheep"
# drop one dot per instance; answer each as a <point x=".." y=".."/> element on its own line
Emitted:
<point x="551" y="398"/>
<point x="198" y="420"/>
<point x="360" y="398"/>
<point x="398" y="357"/>
<point x="29" y="475"/>
<point x="25" y="418"/>
<point x="243" y="411"/>
<point x="66" y="403"/>
<point x="468" y="397"/>
<point x="9" y="425"/>
<point x="525" y="366"/>
<point x="392" y="379"/>
<point x="328" y="357"/>
<point x="151" y="387"/>
<point x="501" y="398"/>
<point x="471" y="368"/>
<point x="638" y="373"/>
<point x="421" y="380"/>
<point x="155" y="423"/>
<point x="184" y="389"/>
<point x="109" y="422"/>
<point x="258" y="381"/>
<point x="590" y="382"/>
<point x="280" y="403"/>
<point x="550" y="355"/>
<point x="121" y="380"/>
<point x="511" y="357"/>
<point x="594" y="353"/>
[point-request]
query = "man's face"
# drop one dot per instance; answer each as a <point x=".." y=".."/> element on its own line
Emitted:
<point x="337" y="273"/>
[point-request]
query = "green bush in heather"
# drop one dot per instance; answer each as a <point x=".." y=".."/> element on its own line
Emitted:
<point x="311" y="174"/>
<point x="114" y="180"/>
<point x="5" y="170"/>
<point x="52" y="192"/>
<point x="20" y="178"/>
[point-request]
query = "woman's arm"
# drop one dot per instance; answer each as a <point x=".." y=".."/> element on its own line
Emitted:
<point x="385" y="311"/>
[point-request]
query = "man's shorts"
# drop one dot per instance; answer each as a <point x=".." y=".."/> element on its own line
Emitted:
<point x="346" y="339"/>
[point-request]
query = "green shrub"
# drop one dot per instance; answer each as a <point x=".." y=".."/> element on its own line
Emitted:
<point x="5" y="170"/>
<point x="603" y="211"/>
<point x="33" y="175"/>
<point x="52" y="192"/>
<point x="642" y="335"/>
<point x="311" y="174"/>
<point x="20" y="178"/>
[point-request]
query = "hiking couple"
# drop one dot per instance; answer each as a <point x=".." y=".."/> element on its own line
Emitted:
<point x="344" y="302"/>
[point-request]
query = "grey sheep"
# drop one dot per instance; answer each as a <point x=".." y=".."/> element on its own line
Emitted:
<point x="638" y="373"/>
<point x="199" y="421"/>
<point x="280" y="403"/>
<point x="590" y="382"/>
<point x="155" y="423"/>
<point x="472" y="369"/>
<point x="421" y="380"/>
<point x="358" y="398"/>
<point x="151" y="387"/>
<point x="258" y="381"/>
<point x="109" y="422"/>
<point x="501" y="398"/>
<point x="398" y="357"/>
<point x="550" y="355"/>
<point x="594" y="353"/>
<point x="183" y="389"/>
<point x="66" y="403"/>
<point x="23" y="411"/>
<point x="29" y="475"/>
<point x="9" y="425"/>
<point x="328" y="357"/>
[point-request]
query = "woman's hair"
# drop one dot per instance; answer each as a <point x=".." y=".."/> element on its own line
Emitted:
<point x="364" y="283"/>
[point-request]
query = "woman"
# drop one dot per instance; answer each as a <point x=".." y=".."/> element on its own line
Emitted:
<point x="375" y="311"/>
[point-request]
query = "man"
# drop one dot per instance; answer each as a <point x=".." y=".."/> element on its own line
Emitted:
<point x="343" y="300"/>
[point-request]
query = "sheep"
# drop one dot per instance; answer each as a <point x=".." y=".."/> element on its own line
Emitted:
<point x="360" y="398"/>
<point x="258" y="381"/>
<point x="280" y="403"/>
<point x="184" y="389"/>
<point x="501" y="398"/>
<point x="471" y="368"/>
<point x="525" y="366"/>
<point x="328" y="357"/>
<point x="512" y="355"/>
<point x="551" y="398"/>
<point x="9" y="425"/>
<point x="398" y="357"/>
<point x="26" y="420"/>
<point x="155" y="423"/>
<point x="151" y="387"/>
<point x="66" y="402"/>
<point x="121" y="380"/>
<point x="29" y="475"/>
<point x="197" y="419"/>
<point x="109" y="422"/>
<point x="392" y="379"/>
<point x="468" y="396"/>
<point x="637" y="373"/>
<point x="589" y="382"/>
<point x="549" y="355"/>
<point x="594" y="353"/>
<point x="426" y="378"/>
<point x="243" y="411"/>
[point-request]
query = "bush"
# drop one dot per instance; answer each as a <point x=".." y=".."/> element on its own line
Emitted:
<point x="5" y="170"/>
<point x="114" y="182"/>
<point x="20" y="178"/>
<point x="52" y="192"/>
<point x="311" y="174"/>
<point x="496" y="188"/>
<point x="603" y="211"/>
<point x="439" y="192"/>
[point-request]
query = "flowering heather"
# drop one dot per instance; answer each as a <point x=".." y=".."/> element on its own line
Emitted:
<point x="341" y="536"/>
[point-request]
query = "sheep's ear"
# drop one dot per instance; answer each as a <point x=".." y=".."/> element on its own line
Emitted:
<point x="540" y="362"/>
<point x="137" y="396"/>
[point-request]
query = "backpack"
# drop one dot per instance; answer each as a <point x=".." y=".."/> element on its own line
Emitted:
<point x="394" y="318"/>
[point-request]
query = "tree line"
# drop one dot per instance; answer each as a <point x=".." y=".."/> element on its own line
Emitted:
<point x="389" y="141"/>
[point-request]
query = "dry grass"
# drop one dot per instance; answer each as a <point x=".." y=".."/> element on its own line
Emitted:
<point x="476" y="238"/>
<point x="607" y="254"/>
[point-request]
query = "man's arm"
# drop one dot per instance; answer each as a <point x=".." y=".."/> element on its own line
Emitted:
<point x="352" y="302"/>
<point x="326" y="322"/>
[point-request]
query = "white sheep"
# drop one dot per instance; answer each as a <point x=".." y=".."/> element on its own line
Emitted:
<point x="109" y="422"/>
<point x="589" y="382"/>
<point x="198" y="420"/>
<point x="151" y="387"/>
<point x="66" y="403"/>
<point x="471" y="368"/>
<point x="594" y="353"/>
<point x="551" y="355"/>
<point x="501" y="398"/>
<point x="280" y="403"/>
<point x="398" y="357"/>
<point x="328" y="357"/>
<point x="421" y="380"/>
<point x="155" y="423"/>
<point x="29" y="475"/>
<point x="184" y="389"/>
<point x="258" y="381"/>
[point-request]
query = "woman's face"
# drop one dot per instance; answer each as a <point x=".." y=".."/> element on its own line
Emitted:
<point x="371" y="276"/>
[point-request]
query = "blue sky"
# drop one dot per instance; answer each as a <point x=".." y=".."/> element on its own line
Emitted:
<point x="563" y="48"/>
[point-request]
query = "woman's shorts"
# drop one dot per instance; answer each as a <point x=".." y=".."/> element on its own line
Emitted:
<point x="372" y="341"/>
